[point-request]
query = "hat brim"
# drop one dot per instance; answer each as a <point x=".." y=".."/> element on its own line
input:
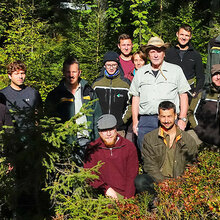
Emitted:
<point x="146" y="48"/>
<point x="106" y="128"/>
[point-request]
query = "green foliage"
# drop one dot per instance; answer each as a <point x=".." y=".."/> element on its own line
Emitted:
<point x="26" y="38"/>
<point x="194" y="194"/>
<point x="7" y="184"/>
<point x="42" y="35"/>
<point x="119" y="18"/>
<point x="36" y="153"/>
<point x="140" y="10"/>
<point x="4" y="81"/>
<point x="87" y="41"/>
<point x="188" y="16"/>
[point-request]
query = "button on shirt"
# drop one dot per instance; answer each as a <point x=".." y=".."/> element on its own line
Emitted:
<point x="164" y="87"/>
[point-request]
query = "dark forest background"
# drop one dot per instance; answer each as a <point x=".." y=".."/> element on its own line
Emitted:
<point x="43" y="32"/>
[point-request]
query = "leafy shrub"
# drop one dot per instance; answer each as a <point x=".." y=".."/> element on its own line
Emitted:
<point x="196" y="193"/>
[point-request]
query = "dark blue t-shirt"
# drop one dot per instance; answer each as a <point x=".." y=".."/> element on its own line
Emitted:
<point x="23" y="103"/>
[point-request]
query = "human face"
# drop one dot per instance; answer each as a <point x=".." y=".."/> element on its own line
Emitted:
<point x="183" y="37"/>
<point x="138" y="62"/>
<point x="167" y="118"/>
<point x="108" y="136"/>
<point x="17" y="79"/>
<point x="216" y="79"/>
<point x="111" y="67"/>
<point x="71" y="74"/>
<point x="125" y="47"/>
<point x="156" y="56"/>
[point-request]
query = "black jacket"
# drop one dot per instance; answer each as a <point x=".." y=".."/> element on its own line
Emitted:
<point x="113" y="94"/>
<point x="191" y="64"/>
<point x="60" y="103"/>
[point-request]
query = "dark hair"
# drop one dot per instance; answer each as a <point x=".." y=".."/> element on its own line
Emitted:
<point x="123" y="37"/>
<point x="141" y="55"/>
<point x="165" y="105"/>
<point x="16" y="65"/>
<point x="69" y="61"/>
<point x="186" y="27"/>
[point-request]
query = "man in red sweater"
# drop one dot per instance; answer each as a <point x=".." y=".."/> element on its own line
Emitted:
<point x="117" y="174"/>
<point x="125" y="46"/>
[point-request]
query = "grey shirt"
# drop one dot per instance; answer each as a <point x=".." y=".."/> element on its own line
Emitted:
<point x="164" y="87"/>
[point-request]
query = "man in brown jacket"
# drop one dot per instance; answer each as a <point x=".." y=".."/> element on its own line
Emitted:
<point x="166" y="150"/>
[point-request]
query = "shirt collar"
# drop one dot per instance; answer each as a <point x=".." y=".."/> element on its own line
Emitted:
<point x="164" y="135"/>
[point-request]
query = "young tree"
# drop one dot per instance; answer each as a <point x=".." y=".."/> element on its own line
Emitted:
<point x="140" y="11"/>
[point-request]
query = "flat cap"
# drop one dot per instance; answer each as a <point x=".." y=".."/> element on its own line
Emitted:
<point x="106" y="121"/>
<point x="215" y="69"/>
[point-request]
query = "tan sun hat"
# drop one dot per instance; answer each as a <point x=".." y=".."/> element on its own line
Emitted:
<point x="154" y="42"/>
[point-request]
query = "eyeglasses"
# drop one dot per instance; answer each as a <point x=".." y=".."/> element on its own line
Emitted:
<point x="111" y="66"/>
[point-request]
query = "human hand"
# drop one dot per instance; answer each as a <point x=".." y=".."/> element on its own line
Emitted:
<point x="181" y="124"/>
<point x="111" y="193"/>
<point x="135" y="127"/>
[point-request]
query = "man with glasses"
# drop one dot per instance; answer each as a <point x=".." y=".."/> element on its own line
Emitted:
<point x="112" y="91"/>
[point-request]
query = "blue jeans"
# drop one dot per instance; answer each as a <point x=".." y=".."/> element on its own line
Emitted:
<point x="147" y="123"/>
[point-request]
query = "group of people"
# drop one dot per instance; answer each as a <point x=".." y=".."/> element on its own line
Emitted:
<point x="141" y="107"/>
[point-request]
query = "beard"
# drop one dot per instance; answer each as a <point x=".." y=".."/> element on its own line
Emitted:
<point x="110" y="142"/>
<point x="167" y="128"/>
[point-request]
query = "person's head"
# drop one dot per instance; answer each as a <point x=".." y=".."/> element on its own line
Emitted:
<point x="139" y="59"/>
<point x="215" y="72"/>
<point x="184" y="34"/>
<point x="106" y="125"/>
<point x="167" y="114"/>
<point x="71" y="71"/>
<point x="16" y="73"/>
<point x="155" y="49"/>
<point x="125" y="44"/>
<point x="111" y="62"/>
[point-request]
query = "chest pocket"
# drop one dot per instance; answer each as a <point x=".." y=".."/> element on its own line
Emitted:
<point x="167" y="90"/>
<point x="158" y="152"/>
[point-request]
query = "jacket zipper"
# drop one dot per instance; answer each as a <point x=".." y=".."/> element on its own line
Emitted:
<point x="110" y="97"/>
<point x="111" y="151"/>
